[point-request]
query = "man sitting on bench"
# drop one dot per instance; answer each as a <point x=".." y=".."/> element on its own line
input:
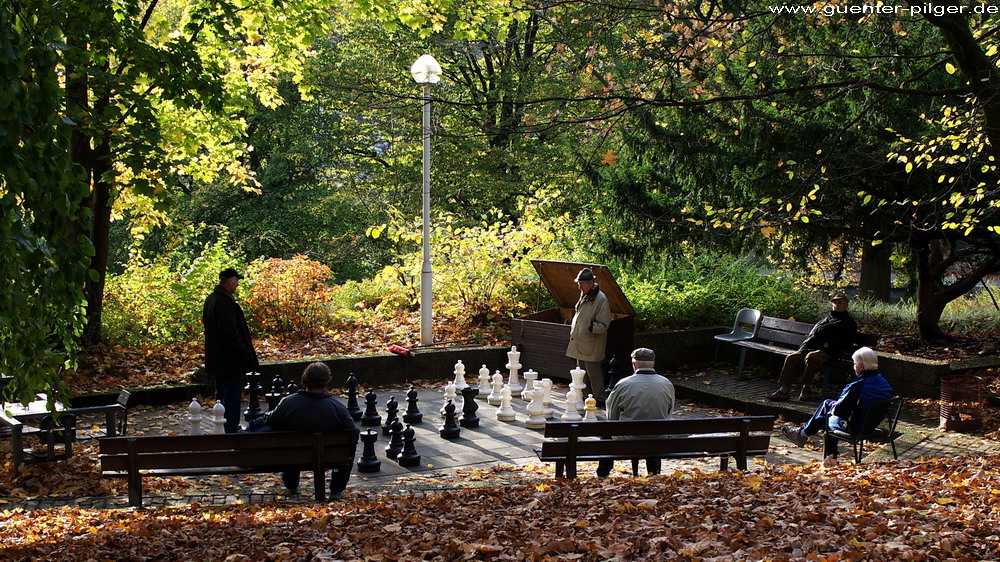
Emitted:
<point x="646" y="395"/>
<point x="828" y="338"/>
<point x="316" y="410"/>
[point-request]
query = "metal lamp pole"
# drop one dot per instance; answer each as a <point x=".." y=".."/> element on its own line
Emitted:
<point x="426" y="71"/>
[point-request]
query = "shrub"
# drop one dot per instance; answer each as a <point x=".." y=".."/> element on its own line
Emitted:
<point x="707" y="290"/>
<point x="288" y="297"/>
<point x="159" y="301"/>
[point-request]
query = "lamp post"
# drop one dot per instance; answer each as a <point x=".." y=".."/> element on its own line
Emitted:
<point x="426" y="71"/>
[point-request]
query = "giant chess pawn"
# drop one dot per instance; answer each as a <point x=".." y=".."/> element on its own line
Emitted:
<point x="369" y="462"/>
<point x="571" y="413"/>
<point x="276" y="394"/>
<point x="590" y="408"/>
<point x="485" y="383"/>
<point x="371" y="417"/>
<point x="577" y="374"/>
<point x="409" y="456"/>
<point x="412" y="414"/>
<point x="506" y="413"/>
<point x="514" y="365"/>
<point x="536" y="417"/>
<point x="450" y="429"/>
<point x="547" y="410"/>
<point x="460" y="376"/>
<point x="352" y="398"/>
<point x="469" y="407"/>
<point x="395" y="445"/>
<point x="253" y="410"/>
<point x="391" y="409"/>
<point x="494" y="398"/>
<point x="449" y="396"/>
<point x="530" y="376"/>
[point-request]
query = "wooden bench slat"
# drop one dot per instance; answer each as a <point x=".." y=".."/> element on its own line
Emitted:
<point x="609" y="428"/>
<point x="643" y="448"/>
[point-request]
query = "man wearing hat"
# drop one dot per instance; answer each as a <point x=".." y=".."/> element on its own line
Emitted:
<point x="229" y="352"/>
<point x="588" y="334"/>
<point x="825" y="342"/>
<point x="645" y="395"/>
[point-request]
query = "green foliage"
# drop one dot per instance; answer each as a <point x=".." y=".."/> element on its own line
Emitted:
<point x="707" y="290"/>
<point x="974" y="312"/>
<point x="159" y="300"/>
<point x="45" y="261"/>
<point x="288" y="298"/>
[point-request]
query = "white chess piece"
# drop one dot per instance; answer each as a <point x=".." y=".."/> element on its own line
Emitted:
<point x="194" y="416"/>
<point x="590" y="408"/>
<point x="577" y="373"/>
<point x="449" y="396"/>
<point x="485" y="383"/>
<point x="547" y="410"/>
<point x="494" y="398"/>
<point x="530" y="377"/>
<point x="514" y="365"/>
<point x="571" y="413"/>
<point x="219" y="411"/>
<point x="460" y="376"/>
<point x="536" y="418"/>
<point x="506" y="413"/>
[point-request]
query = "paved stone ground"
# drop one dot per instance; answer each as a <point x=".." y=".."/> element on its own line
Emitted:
<point x="487" y="455"/>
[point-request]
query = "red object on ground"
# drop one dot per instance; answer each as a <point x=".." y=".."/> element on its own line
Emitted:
<point x="400" y="350"/>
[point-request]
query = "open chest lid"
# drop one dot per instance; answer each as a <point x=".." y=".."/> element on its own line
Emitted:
<point x="558" y="278"/>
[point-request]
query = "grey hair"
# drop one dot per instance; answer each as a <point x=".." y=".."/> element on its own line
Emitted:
<point x="644" y="364"/>
<point x="867" y="358"/>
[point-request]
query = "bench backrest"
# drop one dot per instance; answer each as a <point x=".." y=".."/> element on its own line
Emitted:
<point x="693" y="436"/>
<point x="278" y="448"/>
<point x="778" y="331"/>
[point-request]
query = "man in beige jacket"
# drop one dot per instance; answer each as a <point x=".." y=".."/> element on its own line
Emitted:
<point x="588" y="334"/>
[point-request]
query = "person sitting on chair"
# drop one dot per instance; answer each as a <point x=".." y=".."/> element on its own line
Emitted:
<point x="846" y="412"/>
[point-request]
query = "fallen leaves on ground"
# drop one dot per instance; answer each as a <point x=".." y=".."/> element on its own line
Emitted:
<point x="933" y="510"/>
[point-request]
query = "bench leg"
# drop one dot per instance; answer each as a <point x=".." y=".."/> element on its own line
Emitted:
<point x="743" y="357"/>
<point x="134" y="488"/>
<point x="723" y="463"/>
<point x="319" y="480"/>
<point x="560" y="466"/>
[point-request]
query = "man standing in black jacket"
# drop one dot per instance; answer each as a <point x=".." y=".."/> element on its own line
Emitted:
<point x="825" y="342"/>
<point x="229" y="352"/>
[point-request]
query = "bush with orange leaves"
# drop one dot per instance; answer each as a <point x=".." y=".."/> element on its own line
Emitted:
<point x="288" y="298"/>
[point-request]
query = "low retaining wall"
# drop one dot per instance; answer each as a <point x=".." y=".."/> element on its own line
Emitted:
<point x="674" y="349"/>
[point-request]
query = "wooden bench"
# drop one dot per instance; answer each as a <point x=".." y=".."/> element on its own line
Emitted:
<point x="783" y="337"/>
<point x="737" y="437"/>
<point x="228" y="453"/>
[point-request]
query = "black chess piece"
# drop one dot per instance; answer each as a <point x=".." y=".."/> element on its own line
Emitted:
<point x="293" y="387"/>
<point x="391" y="410"/>
<point x="253" y="410"/>
<point x="371" y="417"/>
<point x="352" y="398"/>
<point x="450" y="429"/>
<point x="614" y="374"/>
<point x="395" y="445"/>
<point x="276" y="394"/>
<point x="369" y="462"/>
<point x="409" y="456"/>
<point x="469" y="407"/>
<point x="412" y="414"/>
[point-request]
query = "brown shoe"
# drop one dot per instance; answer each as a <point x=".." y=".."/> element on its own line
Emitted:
<point x="805" y="394"/>
<point x="778" y="395"/>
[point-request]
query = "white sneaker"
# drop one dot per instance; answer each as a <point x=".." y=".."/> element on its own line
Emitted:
<point x="794" y="435"/>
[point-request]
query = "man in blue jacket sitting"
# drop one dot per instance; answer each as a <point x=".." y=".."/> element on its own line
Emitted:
<point x="846" y="412"/>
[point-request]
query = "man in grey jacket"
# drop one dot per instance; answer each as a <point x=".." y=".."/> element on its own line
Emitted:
<point x="588" y="333"/>
<point x="646" y="395"/>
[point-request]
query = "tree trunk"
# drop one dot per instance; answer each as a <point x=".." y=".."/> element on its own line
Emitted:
<point x="876" y="272"/>
<point x="100" y="237"/>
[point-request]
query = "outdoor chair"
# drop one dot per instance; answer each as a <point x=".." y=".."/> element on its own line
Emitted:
<point x="744" y="328"/>
<point x="116" y="414"/>
<point x="884" y="432"/>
